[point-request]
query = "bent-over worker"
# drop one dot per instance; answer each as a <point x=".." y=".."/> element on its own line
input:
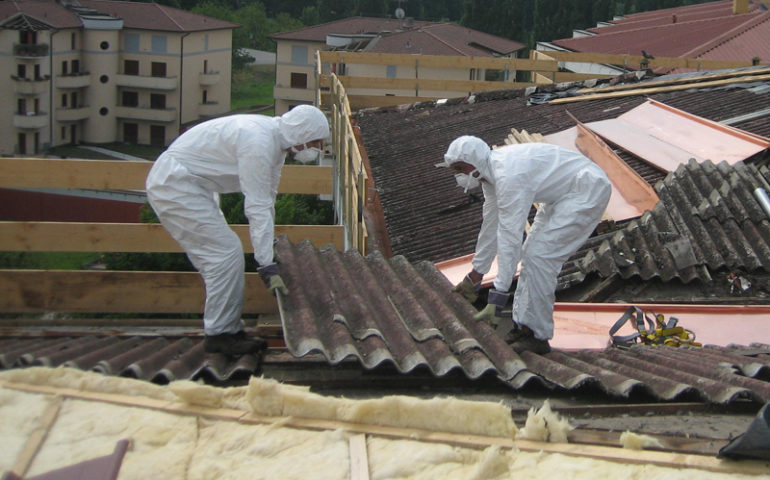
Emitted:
<point x="237" y="153"/>
<point x="572" y="192"/>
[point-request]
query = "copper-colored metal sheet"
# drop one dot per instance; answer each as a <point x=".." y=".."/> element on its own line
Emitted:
<point x="456" y="269"/>
<point x="667" y="137"/>
<point x="587" y="325"/>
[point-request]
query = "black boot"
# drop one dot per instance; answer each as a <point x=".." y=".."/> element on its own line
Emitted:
<point x="233" y="344"/>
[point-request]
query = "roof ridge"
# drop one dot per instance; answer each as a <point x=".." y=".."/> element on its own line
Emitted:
<point x="752" y="22"/>
<point x="443" y="41"/>
<point x="170" y="17"/>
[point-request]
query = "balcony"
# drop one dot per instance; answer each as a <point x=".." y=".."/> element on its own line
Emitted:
<point x="30" y="120"/>
<point x="30" y="50"/>
<point x="73" y="114"/>
<point x="294" y="94"/>
<point x="28" y="86"/>
<point x="73" y="80"/>
<point x="147" y="114"/>
<point x="209" y="109"/>
<point x="208" y="78"/>
<point x="150" y="83"/>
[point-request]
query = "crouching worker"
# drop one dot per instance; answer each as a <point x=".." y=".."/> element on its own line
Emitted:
<point x="238" y="153"/>
<point x="572" y="192"/>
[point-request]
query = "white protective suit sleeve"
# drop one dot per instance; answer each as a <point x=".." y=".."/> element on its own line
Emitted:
<point x="514" y="201"/>
<point x="260" y="160"/>
<point x="486" y="243"/>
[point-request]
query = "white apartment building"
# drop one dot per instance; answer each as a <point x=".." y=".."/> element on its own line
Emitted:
<point x="101" y="71"/>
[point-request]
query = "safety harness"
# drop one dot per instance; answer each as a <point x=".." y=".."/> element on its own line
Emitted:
<point x="651" y="329"/>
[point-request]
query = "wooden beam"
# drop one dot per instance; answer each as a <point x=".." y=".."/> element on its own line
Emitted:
<point x="692" y="81"/>
<point x="37" y="438"/>
<point x="657" y="62"/>
<point x="612" y="454"/>
<point x="135" y="237"/>
<point x="650" y="91"/>
<point x="426" y="84"/>
<point x="37" y="291"/>
<point x="359" y="459"/>
<point x="131" y="175"/>
<point x="439" y="61"/>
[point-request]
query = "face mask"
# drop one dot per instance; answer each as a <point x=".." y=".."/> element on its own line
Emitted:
<point x="309" y="154"/>
<point x="467" y="181"/>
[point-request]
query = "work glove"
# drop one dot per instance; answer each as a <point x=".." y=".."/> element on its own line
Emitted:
<point x="492" y="313"/>
<point x="271" y="278"/>
<point x="468" y="289"/>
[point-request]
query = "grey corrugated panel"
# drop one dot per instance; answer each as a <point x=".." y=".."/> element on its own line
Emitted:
<point x="384" y="311"/>
<point x="114" y="348"/>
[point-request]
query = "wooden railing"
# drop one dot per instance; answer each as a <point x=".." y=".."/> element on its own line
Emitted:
<point x="85" y="291"/>
<point x="351" y="174"/>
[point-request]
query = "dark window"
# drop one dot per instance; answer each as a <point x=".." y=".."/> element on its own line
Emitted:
<point x="27" y="37"/>
<point x="131" y="67"/>
<point x="64" y="100"/>
<point x="21" y="71"/>
<point x="37" y="142"/>
<point x="104" y="45"/>
<point x="37" y="72"/>
<point x="130" y="99"/>
<point x="21" y="107"/>
<point x="75" y="66"/>
<point x="131" y="133"/>
<point x="205" y="66"/>
<point x="157" y="135"/>
<point x="298" y="80"/>
<point x="72" y="41"/>
<point x="158" y="69"/>
<point x="64" y="68"/>
<point x="74" y="100"/>
<point x="22" y="139"/>
<point x="158" y="101"/>
<point x="63" y="133"/>
<point x="205" y="97"/>
<point x="104" y="111"/>
<point x="104" y="78"/>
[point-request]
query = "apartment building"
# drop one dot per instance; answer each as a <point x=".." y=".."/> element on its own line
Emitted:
<point x="296" y="76"/>
<point x="100" y="71"/>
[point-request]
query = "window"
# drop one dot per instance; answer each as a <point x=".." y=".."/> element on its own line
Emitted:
<point x="21" y="71"/>
<point x="27" y="37"/>
<point x="64" y="68"/>
<point x="158" y="69"/>
<point x="158" y="44"/>
<point x="157" y="135"/>
<point x="131" y="67"/>
<point x="22" y="140"/>
<point x="74" y="100"/>
<point x="130" y="99"/>
<point x="131" y="42"/>
<point x="64" y="100"/>
<point x="298" y="80"/>
<point x="72" y="41"/>
<point x="75" y="66"/>
<point x="205" y="97"/>
<point x="390" y="71"/>
<point x="37" y="73"/>
<point x="131" y="133"/>
<point x="21" y="106"/>
<point x="63" y="134"/>
<point x="37" y="142"/>
<point x="299" y="55"/>
<point x="205" y="66"/>
<point x="158" y="101"/>
<point x="104" y="45"/>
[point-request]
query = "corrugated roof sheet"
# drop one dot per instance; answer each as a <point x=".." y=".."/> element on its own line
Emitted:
<point x="404" y="143"/>
<point x="392" y="312"/>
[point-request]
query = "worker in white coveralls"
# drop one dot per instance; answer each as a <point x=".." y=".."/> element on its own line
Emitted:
<point x="238" y="153"/>
<point x="572" y="192"/>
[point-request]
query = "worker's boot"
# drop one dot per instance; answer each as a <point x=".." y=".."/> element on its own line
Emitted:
<point x="233" y="344"/>
<point x="522" y="339"/>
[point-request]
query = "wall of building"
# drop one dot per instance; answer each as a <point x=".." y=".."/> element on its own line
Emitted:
<point x="290" y="60"/>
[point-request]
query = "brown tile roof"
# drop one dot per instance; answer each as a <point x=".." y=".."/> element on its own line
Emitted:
<point x="45" y="11"/>
<point x="138" y="15"/>
<point x="419" y="37"/>
<point x="709" y="31"/>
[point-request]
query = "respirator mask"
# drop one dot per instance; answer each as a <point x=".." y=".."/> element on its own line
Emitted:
<point x="307" y="155"/>
<point x="467" y="181"/>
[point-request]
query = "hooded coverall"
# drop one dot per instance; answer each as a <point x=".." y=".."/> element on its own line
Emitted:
<point x="238" y="153"/>
<point x="572" y="192"/>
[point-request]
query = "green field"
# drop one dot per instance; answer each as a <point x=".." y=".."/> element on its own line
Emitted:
<point x="253" y="87"/>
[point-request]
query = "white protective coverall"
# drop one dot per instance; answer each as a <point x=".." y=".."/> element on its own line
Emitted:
<point x="572" y="192"/>
<point x="238" y="153"/>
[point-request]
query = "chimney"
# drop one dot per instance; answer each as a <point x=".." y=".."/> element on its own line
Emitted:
<point x="740" y="6"/>
<point x="673" y="18"/>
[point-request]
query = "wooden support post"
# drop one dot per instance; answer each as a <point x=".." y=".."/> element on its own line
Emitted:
<point x="359" y="459"/>
<point x="37" y="438"/>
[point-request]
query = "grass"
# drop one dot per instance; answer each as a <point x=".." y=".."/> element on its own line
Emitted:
<point x="252" y="87"/>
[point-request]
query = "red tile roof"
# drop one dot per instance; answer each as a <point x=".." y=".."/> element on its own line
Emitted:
<point x="709" y="31"/>
<point x="144" y="16"/>
<point x="395" y="36"/>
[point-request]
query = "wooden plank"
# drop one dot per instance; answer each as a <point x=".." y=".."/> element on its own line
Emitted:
<point x="692" y="81"/>
<point x="36" y="439"/>
<point x="359" y="459"/>
<point x="669" y="62"/>
<point x="35" y="291"/>
<point x="613" y="454"/>
<point x="426" y="84"/>
<point x="135" y="237"/>
<point x="131" y="175"/>
<point x="358" y="102"/>
<point x="438" y="61"/>
<point x="650" y="91"/>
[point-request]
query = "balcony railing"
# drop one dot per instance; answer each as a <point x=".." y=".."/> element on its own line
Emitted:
<point x="30" y="86"/>
<point x="296" y="94"/>
<point x="143" y="81"/>
<point x="208" y="78"/>
<point x="147" y="114"/>
<point x="30" y="120"/>
<point x="73" y="80"/>
<point x="73" y="114"/>
<point x="30" y="50"/>
<point x="209" y="109"/>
